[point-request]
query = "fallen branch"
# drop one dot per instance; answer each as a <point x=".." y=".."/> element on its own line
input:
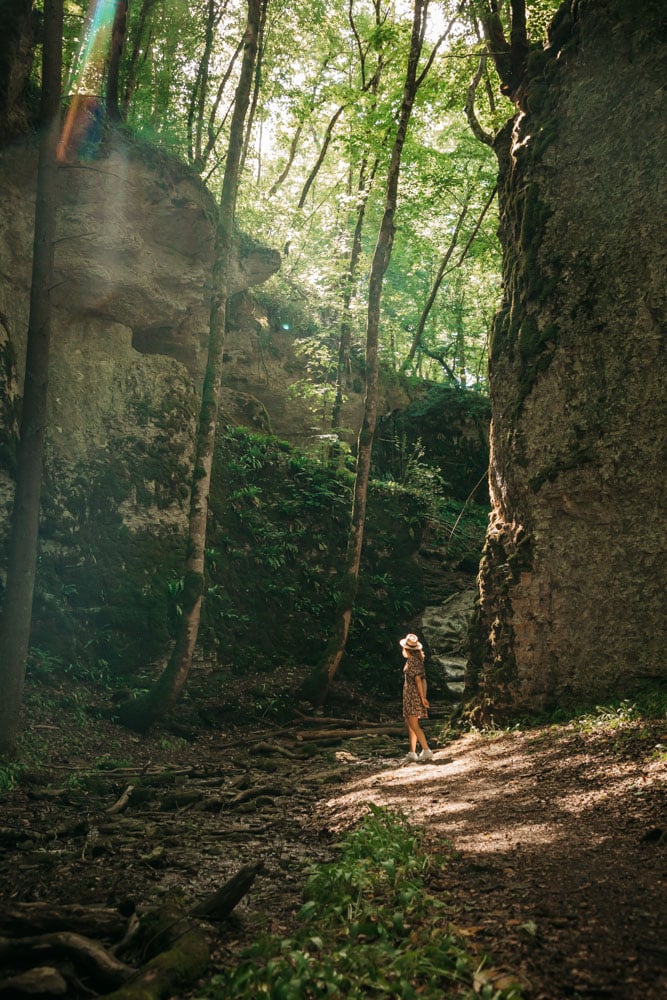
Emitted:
<point x="123" y="801"/>
<point x="42" y="918"/>
<point x="107" y="972"/>
<point x="253" y="793"/>
<point x="343" y="734"/>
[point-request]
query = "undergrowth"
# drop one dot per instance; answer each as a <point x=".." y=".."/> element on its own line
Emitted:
<point x="368" y="928"/>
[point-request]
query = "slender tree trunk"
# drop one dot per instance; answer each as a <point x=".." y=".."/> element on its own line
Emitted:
<point x="196" y="110"/>
<point x="325" y="672"/>
<point x="328" y="135"/>
<point x="117" y="44"/>
<point x="349" y="277"/>
<point x="17" y="606"/>
<point x="141" y="43"/>
<point x="436" y="286"/>
<point x="140" y="714"/>
<point x="257" y="87"/>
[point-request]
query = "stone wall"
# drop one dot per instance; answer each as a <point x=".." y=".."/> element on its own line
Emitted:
<point x="574" y="575"/>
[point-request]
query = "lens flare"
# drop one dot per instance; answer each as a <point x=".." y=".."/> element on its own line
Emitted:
<point x="83" y="123"/>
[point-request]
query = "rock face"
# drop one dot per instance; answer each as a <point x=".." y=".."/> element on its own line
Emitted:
<point x="132" y="267"/>
<point x="129" y="332"/>
<point x="574" y="573"/>
<point x="445" y="630"/>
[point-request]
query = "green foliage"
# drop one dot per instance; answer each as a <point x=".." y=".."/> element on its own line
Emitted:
<point x="10" y="774"/>
<point x="444" y="432"/>
<point x="647" y="704"/>
<point x="277" y="529"/>
<point x="368" y="926"/>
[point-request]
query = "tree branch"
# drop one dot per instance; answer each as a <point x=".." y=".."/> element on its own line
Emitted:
<point x="469" y="108"/>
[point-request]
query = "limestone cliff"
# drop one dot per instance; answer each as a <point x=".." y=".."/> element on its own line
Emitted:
<point x="574" y="574"/>
<point x="130" y="314"/>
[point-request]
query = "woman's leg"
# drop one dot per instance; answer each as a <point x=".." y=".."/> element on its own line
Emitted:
<point x="416" y="734"/>
<point x="412" y="722"/>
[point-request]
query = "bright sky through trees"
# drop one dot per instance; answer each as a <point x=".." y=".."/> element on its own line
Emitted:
<point x="328" y="88"/>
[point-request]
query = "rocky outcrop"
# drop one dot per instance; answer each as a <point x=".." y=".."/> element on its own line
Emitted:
<point x="133" y="259"/>
<point x="574" y="573"/>
<point x="444" y="628"/>
<point x="132" y="273"/>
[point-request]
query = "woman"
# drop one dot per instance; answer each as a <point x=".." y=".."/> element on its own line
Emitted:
<point x="415" y="702"/>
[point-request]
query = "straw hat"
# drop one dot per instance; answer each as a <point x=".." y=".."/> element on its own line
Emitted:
<point x="411" y="642"/>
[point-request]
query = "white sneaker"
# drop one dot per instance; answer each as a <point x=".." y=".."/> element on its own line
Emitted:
<point x="425" y="755"/>
<point x="410" y="758"/>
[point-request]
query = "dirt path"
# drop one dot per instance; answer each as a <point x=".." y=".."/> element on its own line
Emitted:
<point x="556" y="837"/>
<point x="558" y="852"/>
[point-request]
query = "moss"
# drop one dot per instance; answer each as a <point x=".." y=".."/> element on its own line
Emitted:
<point x="184" y="960"/>
<point x="521" y="560"/>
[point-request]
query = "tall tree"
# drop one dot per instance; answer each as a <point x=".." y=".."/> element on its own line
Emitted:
<point x="366" y="177"/>
<point x="115" y="55"/>
<point x="141" y="714"/>
<point x="17" y="604"/>
<point x="139" y="53"/>
<point x="327" y="669"/>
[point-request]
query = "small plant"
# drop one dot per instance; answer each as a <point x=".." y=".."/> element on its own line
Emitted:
<point x="9" y="775"/>
<point x="43" y="666"/>
<point x="648" y="705"/>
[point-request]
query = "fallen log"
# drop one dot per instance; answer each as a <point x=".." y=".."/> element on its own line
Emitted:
<point x="33" y="919"/>
<point x="106" y="971"/>
<point x="169" y="972"/>
<point x="345" y="734"/>
<point x="188" y="956"/>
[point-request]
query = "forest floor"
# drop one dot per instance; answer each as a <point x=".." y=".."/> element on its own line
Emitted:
<point x="555" y="836"/>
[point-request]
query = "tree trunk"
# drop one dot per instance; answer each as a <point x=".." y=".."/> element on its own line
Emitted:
<point x="117" y="44"/>
<point x="436" y="286"/>
<point x="348" y="280"/>
<point x="325" y="672"/>
<point x="197" y="108"/>
<point x="140" y="49"/>
<point x="17" y="605"/>
<point x="141" y="714"/>
<point x="573" y="577"/>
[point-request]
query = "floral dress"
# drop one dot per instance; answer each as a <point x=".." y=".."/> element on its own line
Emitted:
<point x="414" y="666"/>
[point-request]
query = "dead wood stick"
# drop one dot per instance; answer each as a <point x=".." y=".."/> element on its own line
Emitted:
<point x="331" y="720"/>
<point x="123" y="801"/>
<point x="253" y="793"/>
<point x="270" y="747"/>
<point x="107" y="972"/>
<point x="220" y="904"/>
